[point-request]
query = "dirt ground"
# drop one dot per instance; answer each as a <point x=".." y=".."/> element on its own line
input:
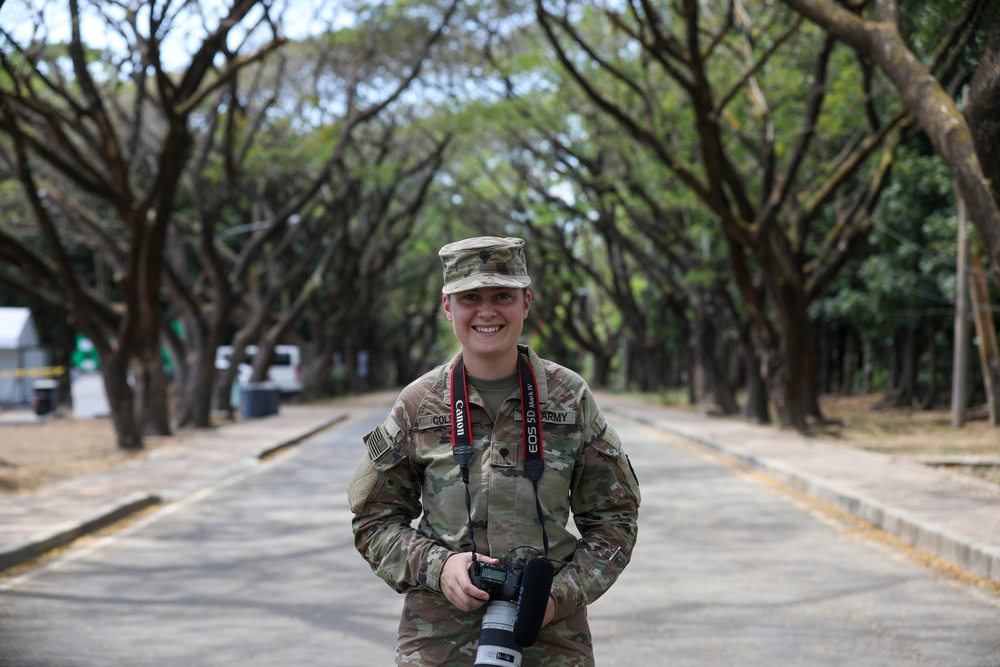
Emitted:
<point x="32" y="455"/>
<point x="35" y="454"/>
<point x="923" y="435"/>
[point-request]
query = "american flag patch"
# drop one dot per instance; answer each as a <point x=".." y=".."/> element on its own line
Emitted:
<point x="378" y="443"/>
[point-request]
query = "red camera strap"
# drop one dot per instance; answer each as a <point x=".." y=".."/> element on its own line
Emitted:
<point x="531" y="432"/>
<point x="531" y="410"/>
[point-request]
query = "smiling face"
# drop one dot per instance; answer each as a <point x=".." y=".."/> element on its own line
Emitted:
<point x="487" y="322"/>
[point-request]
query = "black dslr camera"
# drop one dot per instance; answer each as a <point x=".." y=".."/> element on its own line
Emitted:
<point x="502" y="583"/>
<point x="518" y="596"/>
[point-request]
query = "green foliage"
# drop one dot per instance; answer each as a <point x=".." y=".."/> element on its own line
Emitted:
<point x="909" y="278"/>
<point x="922" y="25"/>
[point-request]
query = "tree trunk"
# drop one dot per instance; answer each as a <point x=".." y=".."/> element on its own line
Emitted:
<point x="602" y="369"/>
<point x="903" y="390"/>
<point x="788" y="359"/>
<point x="725" y="389"/>
<point x="848" y="363"/>
<point x="930" y="396"/>
<point x="700" y="383"/>
<point x="755" y="406"/>
<point x="151" y="393"/>
<point x="787" y="391"/>
<point x="316" y="374"/>
<point x="989" y="356"/>
<point x="712" y="390"/>
<point x="908" y="378"/>
<point x="637" y="376"/>
<point x="121" y="401"/>
<point x="194" y="353"/>
<point x="318" y="370"/>
<point x="867" y="367"/>
<point x="823" y="359"/>
<point x="896" y="355"/>
<point x="196" y="387"/>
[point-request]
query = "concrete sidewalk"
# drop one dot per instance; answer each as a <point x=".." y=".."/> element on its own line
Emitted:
<point x="32" y="523"/>
<point x="952" y="516"/>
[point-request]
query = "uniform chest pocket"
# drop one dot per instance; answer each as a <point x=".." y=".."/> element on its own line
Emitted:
<point x="504" y="454"/>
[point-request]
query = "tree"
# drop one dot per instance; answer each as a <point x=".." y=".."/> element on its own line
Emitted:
<point x="791" y="179"/>
<point x="304" y="140"/>
<point x="898" y="302"/>
<point x="396" y="175"/>
<point x="242" y="152"/>
<point x="557" y="165"/>
<point x="971" y="154"/>
<point x="98" y="142"/>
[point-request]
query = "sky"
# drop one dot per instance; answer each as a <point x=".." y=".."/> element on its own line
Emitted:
<point x="19" y="18"/>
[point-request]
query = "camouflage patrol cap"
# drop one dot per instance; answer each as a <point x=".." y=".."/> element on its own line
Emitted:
<point x="484" y="261"/>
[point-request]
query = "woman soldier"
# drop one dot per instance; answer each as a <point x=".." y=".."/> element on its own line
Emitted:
<point x="494" y="452"/>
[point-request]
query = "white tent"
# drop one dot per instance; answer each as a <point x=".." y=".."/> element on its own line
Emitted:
<point x="19" y="350"/>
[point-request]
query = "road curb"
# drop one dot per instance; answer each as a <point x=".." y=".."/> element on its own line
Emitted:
<point x="43" y="543"/>
<point x="975" y="557"/>
<point x="299" y="437"/>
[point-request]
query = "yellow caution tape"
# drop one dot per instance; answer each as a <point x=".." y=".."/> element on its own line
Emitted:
<point x="41" y="372"/>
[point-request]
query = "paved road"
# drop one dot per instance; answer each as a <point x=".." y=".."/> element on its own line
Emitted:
<point x="260" y="570"/>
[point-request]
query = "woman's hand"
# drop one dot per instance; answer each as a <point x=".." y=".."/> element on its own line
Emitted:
<point x="550" y="612"/>
<point x="458" y="587"/>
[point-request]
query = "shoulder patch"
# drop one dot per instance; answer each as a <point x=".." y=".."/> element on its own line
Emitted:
<point x="378" y="443"/>
<point x="392" y="428"/>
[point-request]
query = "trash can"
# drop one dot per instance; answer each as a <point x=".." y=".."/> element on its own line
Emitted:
<point x="272" y="397"/>
<point x="44" y="398"/>
<point x="258" y="399"/>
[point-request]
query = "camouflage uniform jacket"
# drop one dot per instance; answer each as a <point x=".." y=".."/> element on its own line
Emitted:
<point x="409" y="471"/>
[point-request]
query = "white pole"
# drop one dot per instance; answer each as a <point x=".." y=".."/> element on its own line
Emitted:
<point x="960" y="370"/>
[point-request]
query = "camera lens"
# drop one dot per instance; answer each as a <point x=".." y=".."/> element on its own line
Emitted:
<point x="496" y="637"/>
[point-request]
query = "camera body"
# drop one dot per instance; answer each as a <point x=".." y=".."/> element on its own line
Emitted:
<point x="502" y="583"/>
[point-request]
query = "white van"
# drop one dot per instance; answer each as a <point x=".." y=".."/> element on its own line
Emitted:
<point x="285" y="371"/>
